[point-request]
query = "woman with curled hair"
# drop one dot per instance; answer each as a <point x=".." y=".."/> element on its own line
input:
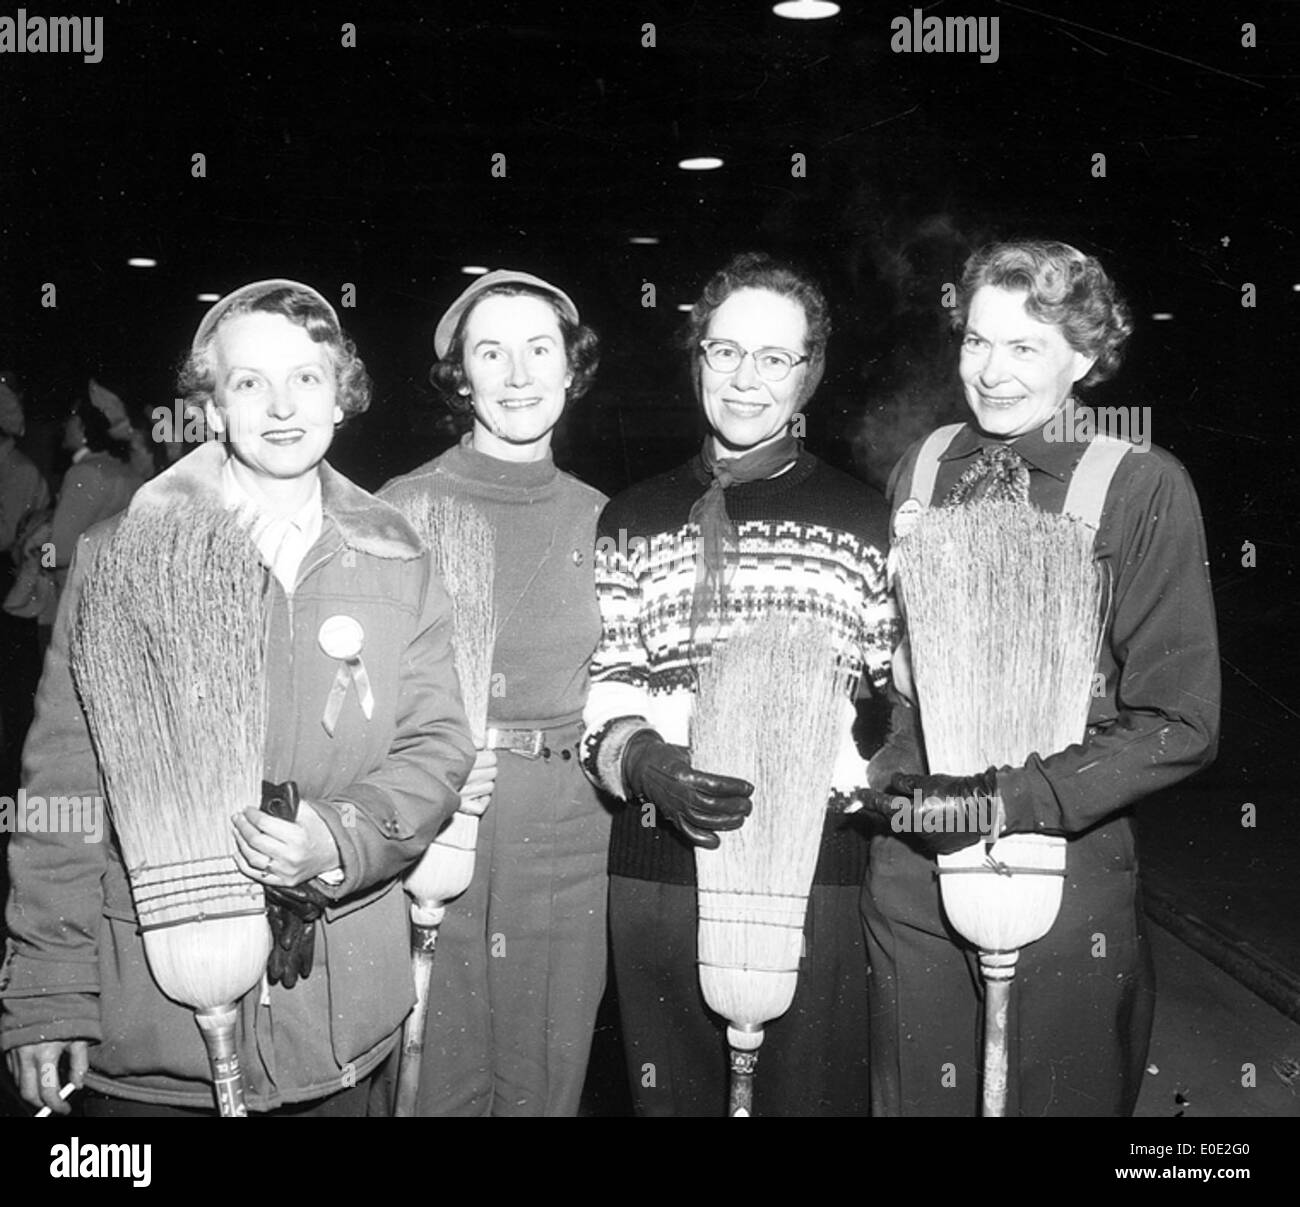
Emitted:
<point x="520" y="966"/>
<point x="356" y="784"/>
<point x="1039" y="320"/>
<point x="752" y="525"/>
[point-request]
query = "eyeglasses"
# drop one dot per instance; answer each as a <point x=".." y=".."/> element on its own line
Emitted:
<point x="771" y="364"/>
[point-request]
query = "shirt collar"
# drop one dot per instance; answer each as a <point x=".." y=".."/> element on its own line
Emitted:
<point x="307" y="519"/>
<point x="1055" y="457"/>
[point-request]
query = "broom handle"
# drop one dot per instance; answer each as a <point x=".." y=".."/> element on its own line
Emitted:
<point x="425" y="921"/>
<point x="998" y="969"/>
<point x="217" y="1025"/>
<point x="744" y="1042"/>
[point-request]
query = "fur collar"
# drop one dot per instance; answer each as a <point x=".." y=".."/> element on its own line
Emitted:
<point x="365" y="523"/>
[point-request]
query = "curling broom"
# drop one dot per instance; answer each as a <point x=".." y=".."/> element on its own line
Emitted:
<point x="1004" y="612"/>
<point x="768" y="711"/>
<point x="463" y="548"/>
<point x="168" y="655"/>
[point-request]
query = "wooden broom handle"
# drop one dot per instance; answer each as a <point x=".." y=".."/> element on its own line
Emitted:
<point x="425" y="921"/>
<point x="743" y="1043"/>
<point x="998" y="969"/>
<point x="217" y="1025"/>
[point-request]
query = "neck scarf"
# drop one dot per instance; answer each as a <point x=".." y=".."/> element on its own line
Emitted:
<point x="999" y="474"/>
<point x="717" y="531"/>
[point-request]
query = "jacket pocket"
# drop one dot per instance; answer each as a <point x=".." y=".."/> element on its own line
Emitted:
<point x="368" y="957"/>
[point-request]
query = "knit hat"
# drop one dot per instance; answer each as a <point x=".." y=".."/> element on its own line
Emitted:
<point x="11" y="412"/>
<point x="251" y="293"/>
<point x="447" y="325"/>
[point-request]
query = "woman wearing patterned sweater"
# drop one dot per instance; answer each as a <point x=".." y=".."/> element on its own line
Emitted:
<point x="753" y="524"/>
<point x="521" y="959"/>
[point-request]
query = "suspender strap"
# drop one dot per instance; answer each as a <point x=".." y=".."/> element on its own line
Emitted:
<point x="1092" y="478"/>
<point x="926" y="469"/>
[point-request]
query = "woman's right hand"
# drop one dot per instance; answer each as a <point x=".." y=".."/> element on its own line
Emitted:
<point x="477" y="792"/>
<point x="35" y="1070"/>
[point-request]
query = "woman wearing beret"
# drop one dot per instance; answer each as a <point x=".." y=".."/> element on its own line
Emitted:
<point x="520" y="965"/>
<point x="376" y="778"/>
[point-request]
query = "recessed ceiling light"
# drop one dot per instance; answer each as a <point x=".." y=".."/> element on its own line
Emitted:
<point x="1295" y="288"/>
<point x="142" y="262"/>
<point x="1162" y="316"/>
<point x="806" y="10"/>
<point x="685" y="306"/>
<point x="646" y="240"/>
<point x="700" y="163"/>
<point x="473" y="270"/>
<point x="207" y="297"/>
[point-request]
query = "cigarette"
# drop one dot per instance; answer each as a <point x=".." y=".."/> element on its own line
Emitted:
<point x="63" y="1093"/>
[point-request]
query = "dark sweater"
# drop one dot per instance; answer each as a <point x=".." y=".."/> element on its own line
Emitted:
<point x="547" y="620"/>
<point x="812" y="541"/>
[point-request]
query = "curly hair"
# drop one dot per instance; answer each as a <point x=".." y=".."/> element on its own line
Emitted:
<point x="758" y="270"/>
<point x="1065" y="287"/>
<point x="581" y="351"/>
<point x="196" y="382"/>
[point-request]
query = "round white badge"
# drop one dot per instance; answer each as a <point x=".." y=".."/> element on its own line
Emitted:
<point x="341" y="637"/>
<point x="905" y="518"/>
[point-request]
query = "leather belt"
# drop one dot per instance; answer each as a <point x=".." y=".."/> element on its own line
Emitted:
<point x="527" y="743"/>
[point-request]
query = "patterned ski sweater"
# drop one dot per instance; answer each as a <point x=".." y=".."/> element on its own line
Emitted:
<point x="812" y="543"/>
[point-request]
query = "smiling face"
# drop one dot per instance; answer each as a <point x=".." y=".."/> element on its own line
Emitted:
<point x="743" y="409"/>
<point x="1017" y="371"/>
<point x="274" y="399"/>
<point x="516" y="374"/>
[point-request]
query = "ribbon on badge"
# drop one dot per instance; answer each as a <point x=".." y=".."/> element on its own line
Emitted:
<point x="342" y="638"/>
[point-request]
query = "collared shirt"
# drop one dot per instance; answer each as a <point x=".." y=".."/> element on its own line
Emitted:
<point x="284" y="541"/>
<point x="1154" y="717"/>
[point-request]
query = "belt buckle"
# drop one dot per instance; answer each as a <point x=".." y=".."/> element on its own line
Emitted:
<point x="535" y="750"/>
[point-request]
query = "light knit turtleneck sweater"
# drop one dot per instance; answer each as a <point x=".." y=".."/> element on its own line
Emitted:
<point x="548" y="622"/>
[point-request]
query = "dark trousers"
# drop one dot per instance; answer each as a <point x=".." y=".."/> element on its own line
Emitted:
<point x="1081" y="1003"/>
<point x="813" y="1061"/>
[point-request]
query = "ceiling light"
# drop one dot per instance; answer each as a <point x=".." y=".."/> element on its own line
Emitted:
<point x="688" y="306"/>
<point x="473" y="270"/>
<point x="644" y="240"/>
<point x="806" y="10"/>
<point x="207" y="297"/>
<point x="142" y="262"/>
<point x="1162" y="316"/>
<point x="700" y="163"/>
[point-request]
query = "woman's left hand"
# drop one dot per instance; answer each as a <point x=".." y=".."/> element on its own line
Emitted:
<point x="276" y="852"/>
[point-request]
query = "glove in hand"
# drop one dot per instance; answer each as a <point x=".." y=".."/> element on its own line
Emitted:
<point x="698" y="803"/>
<point x="955" y="812"/>
<point x="292" y="911"/>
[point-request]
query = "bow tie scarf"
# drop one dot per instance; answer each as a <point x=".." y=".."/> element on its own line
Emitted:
<point x="718" y="535"/>
<point x="998" y="475"/>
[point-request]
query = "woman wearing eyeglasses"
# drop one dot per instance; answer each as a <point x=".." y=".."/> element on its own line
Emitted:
<point x="752" y="524"/>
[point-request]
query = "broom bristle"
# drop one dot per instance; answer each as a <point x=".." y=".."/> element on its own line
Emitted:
<point x="1003" y="608"/>
<point x="1004" y="612"/>
<point x="463" y="548"/>
<point x="766" y="711"/>
<point x="168" y="655"/>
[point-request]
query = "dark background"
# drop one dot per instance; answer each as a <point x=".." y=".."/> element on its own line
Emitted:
<point x="372" y="166"/>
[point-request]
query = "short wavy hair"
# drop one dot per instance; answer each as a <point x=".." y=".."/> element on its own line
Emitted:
<point x="758" y="270"/>
<point x="1065" y="287"/>
<point x="581" y="351"/>
<point x="196" y="382"/>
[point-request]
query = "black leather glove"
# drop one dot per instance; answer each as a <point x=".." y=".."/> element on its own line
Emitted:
<point x="292" y="911"/>
<point x="955" y="810"/>
<point x="698" y="804"/>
